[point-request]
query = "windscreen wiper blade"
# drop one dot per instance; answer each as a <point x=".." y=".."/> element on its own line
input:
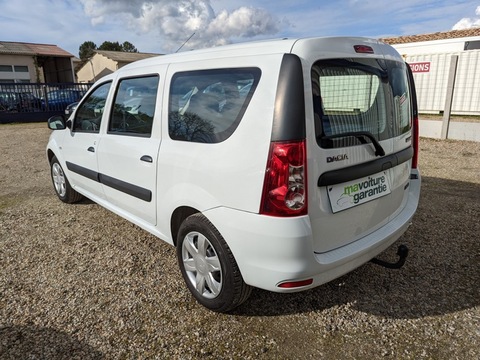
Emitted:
<point x="361" y="135"/>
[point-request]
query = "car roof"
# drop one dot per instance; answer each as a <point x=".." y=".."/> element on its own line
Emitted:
<point x="276" y="46"/>
<point x="246" y="48"/>
<point x="334" y="46"/>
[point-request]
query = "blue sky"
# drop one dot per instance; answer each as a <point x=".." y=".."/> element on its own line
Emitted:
<point x="161" y="26"/>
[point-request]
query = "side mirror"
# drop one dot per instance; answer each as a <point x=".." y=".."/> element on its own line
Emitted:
<point x="56" y="122"/>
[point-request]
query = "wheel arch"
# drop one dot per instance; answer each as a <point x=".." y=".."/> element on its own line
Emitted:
<point x="178" y="216"/>
<point x="50" y="155"/>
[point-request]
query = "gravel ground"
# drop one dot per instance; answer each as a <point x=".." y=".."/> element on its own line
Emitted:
<point x="78" y="282"/>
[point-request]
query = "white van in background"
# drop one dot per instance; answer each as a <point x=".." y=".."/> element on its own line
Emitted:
<point x="280" y="165"/>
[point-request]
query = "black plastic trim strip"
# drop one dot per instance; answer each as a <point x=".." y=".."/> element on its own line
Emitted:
<point x="125" y="187"/>
<point x="361" y="170"/>
<point x="289" y="113"/>
<point x="89" y="174"/>
<point x="404" y="155"/>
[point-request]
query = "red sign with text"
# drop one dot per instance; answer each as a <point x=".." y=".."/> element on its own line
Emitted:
<point x="420" y="67"/>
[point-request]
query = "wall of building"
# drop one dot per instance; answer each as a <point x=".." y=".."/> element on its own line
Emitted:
<point x="17" y="73"/>
<point x="469" y="131"/>
<point x="57" y="69"/>
<point x="97" y="67"/>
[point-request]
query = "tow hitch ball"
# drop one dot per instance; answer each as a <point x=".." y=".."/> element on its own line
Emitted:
<point x="402" y="252"/>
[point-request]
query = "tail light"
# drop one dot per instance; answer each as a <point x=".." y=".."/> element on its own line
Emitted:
<point x="285" y="185"/>
<point x="415" y="142"/>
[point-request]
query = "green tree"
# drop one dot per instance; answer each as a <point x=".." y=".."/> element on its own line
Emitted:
<point x="128" y="47"/>
<point x="85" y="51"/>
<point x="111" y="46"/>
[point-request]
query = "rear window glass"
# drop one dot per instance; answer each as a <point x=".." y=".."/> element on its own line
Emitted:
<point x="207" y="106"/>
<point x="364" y="96"/>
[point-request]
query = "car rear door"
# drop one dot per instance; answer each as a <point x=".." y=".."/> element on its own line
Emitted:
<point x="358" y="157"/>
<point x="127" y="157"/>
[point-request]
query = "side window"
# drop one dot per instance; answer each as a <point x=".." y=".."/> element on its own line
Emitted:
<point x="134" y="106"/>
<point x="401" y="99"/>
<point x="207" y="105"/>
<point x="89" y="113"/>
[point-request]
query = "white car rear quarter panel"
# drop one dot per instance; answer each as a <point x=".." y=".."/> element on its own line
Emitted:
<point x="229" y="173"/>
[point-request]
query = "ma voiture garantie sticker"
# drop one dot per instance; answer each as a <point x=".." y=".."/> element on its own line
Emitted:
<point x="349" y="194"/>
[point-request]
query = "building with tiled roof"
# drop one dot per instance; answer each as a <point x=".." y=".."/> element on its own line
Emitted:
<point x="453" y="34"/>
<point x="436" y="59"/>
<point x="105" y="62"/>
<point x="31" y="63"/>
<point x="439" y="42"/>
<point x="21" y="48"/>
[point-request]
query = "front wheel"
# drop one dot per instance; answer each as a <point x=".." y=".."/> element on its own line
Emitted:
<point x="208" y="266"/>
<point x="61" y="185"/>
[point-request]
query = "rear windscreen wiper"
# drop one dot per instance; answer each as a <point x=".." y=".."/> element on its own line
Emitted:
<point x="360" y="135"/>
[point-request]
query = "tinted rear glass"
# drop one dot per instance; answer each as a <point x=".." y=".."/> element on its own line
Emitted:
<point x="362" y="95"/>
<point x="207" y="105"/>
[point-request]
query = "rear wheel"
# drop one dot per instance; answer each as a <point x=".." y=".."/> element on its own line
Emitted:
<point x="61" y="185"/>
<point x="208" y="266"/>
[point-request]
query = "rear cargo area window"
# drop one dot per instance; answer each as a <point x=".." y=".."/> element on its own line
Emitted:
<point x="355" y="97"/>
<point x="207" y="106"/>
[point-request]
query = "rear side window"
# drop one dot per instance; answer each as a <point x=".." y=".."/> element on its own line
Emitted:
<point x="207" y="106"/>
<point x="401" y="99"/>
<point x="365" y="96"/>
<point x="134" y="106"/>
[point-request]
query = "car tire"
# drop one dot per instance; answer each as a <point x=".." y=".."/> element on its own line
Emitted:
<point x="61" y="185"/>
<point x="208" y="266"/>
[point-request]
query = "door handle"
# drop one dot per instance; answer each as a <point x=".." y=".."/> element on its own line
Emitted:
<point x="91" y="149"/>
<point x="147" y="158"/>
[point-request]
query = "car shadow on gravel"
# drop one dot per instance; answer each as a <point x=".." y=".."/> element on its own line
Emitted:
<point x="85" y="201"/>
<point x="31" y="342"/>
<point x="441" y="274"/>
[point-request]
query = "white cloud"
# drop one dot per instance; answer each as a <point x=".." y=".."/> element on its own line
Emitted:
<point x="174" y="21"/>
<point x="467" y="23"/>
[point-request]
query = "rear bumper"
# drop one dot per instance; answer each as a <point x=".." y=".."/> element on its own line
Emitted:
<point x="272" y="250"/>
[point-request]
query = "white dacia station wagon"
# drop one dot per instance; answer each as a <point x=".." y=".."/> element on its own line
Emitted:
<point x="280" y="165"/>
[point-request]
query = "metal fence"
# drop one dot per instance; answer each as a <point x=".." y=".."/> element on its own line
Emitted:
<point x="37" y="102"/>
<point x="443" y="85"/>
